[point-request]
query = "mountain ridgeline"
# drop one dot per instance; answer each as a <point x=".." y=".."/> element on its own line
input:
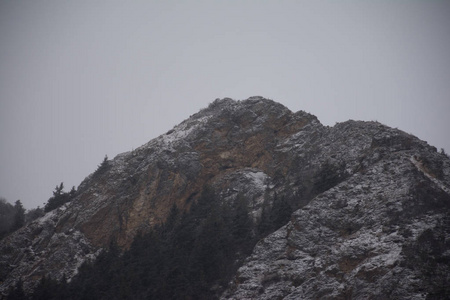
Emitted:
<point x="247" y="200"/>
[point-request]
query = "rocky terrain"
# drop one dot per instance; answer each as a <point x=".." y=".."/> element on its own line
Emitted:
<point x="381" y="234"/>
<point x="371" y="203"/>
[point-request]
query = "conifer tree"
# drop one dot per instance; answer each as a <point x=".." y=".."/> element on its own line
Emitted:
<point x="102" y="167"/>
<point x="265" y="225"/>
<point x="59" y="197"/>
<point x="184" y="258"/>
<point x="241" y="226"/>
<point x="33" y="214"/>
<point x="19" y="215"/>
<point x="281" y="211"/>
<point x="6" y="217"/>
<point x="72" y="192"/>
<point x="17" y="293"/>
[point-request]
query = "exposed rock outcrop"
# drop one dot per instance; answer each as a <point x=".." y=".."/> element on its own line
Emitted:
<point x="381" y="234"/>
<point x="373" y="204"/>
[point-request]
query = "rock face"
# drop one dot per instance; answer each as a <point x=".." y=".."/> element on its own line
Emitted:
<point x="381" y="234"/>
<point x="373" y="218"/>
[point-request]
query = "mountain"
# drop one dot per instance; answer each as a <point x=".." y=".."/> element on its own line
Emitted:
<point x="366" y="205"/>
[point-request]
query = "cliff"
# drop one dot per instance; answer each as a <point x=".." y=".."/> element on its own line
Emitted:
<point x="372" y="204"/>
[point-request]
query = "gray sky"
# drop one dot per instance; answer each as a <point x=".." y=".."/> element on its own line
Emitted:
<point x="81" y="79"/>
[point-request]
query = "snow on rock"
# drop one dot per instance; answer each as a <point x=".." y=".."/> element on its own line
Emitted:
<point x="362" y="239"/>
<point x="372" y="201"/>
<point x="40" y="248"/>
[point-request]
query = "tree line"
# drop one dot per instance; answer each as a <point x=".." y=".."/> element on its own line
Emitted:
<point x="12" y="217"/>
<point x="192" y="255"/>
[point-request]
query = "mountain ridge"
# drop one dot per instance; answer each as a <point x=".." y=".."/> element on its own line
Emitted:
<point x="253" y="147"/>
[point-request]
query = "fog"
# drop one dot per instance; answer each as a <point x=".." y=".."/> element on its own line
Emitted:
<point x="83" y="79"/>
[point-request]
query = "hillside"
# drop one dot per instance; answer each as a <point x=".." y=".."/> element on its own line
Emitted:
<point x="368" y="205"/>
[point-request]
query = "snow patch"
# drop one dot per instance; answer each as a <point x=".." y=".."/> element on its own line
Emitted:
<point x="259" y="179"/>
<point x="180" y="132"/>
<point x="419" y="167"/>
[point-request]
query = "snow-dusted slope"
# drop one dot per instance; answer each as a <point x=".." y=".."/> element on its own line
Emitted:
<point x="381" y="234"/>
<point x="368" y="194"/>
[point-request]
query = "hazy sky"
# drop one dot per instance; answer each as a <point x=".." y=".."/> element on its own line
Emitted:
<point x="81" y="79"/>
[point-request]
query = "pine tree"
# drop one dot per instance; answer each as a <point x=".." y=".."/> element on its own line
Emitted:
<point x="281" y="211"/>
<point x="265" y="225"/>
<point x="17" y="293"/>
<point x="47" y="289"/>
<point x="102" y="167"/>
<point x="58" y="190"/>
<point x="59" y="198"/>
<point x="184" y="258"/>
<point x="6" y="217"/>
<point x="241" y="226"/>
<point x="72" y="192"/>
<point x="33" y="214"/>
<point x="19" y="215"/>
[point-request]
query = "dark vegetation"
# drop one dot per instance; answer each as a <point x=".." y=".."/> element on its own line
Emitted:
<point x="33" y="214"/>
<point x="103" y="167"/>
<point x="276" y="212"/>
<point x="329" y="176"/>
<point x="427" y="255"/>
<point x="193" y="255"/>
<point x="59" y="198"/>
<point x="12" y="217"/>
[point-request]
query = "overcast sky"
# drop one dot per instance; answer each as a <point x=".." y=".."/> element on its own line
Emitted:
<point x="81" y="79"/>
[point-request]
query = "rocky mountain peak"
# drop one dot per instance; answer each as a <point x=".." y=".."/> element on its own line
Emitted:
<point x="365" y="197"/>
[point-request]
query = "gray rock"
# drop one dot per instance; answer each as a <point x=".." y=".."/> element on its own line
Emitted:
<point x="381" y="234"/>
<point x="372" y="218"/>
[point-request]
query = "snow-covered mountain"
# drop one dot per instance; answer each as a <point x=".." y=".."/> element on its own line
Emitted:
<point x="371" y="217"/>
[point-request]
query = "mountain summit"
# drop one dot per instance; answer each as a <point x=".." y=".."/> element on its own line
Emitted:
<point x="366" y="206"/>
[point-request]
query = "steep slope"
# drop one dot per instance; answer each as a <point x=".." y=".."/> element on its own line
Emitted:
<point x="217" y="146"/>
<point x="383" y="233"/>
<point x="369" y="196"/>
